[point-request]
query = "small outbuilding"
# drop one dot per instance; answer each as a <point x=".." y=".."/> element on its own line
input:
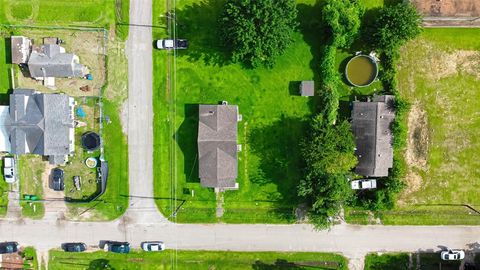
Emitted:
<point x="20" y="49"/>
<point x="307" y="88"/>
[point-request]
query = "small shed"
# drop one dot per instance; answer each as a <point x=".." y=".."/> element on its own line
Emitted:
<point x="307" y="88"/>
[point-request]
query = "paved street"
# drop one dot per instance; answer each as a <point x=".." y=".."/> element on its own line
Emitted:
<point x="140" y="113"/>
<point x="353" y="241"/>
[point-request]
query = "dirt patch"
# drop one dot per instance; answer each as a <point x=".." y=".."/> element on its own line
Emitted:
<point x="417" y="144"/>
<point x="448" y="8"/>
<point x="442" y="64"/>
<point x="414" y="183"/>
<point x="124" y="117"/>
<point x="12" y="261"/>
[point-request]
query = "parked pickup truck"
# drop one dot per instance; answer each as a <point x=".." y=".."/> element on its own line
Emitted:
<point x="9" y="169"/>
<point x="364" y="184"/>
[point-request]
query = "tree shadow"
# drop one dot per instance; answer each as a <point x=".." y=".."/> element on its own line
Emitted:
<point x="186" y="138"/>
<point x="198" y="23"/>
<point x="282" y="264"/>
<point x="279" y="264"/>
<point x="99" y="264"/>
<point x="294" y="88"/>
<point x="316" y="36"/>
<point x="279" y="160"/>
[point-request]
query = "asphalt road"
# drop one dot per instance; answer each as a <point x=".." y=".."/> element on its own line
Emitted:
<point x="140" y="113"/>
<point x="352" y="241"/>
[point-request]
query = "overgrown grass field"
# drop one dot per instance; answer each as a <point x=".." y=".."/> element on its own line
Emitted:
<point x="192" y="260"/>
<point x="439" y="75"/>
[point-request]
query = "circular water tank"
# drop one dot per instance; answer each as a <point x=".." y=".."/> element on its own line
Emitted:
<point x="90" y="141"/>
<point x="361" y="70"/>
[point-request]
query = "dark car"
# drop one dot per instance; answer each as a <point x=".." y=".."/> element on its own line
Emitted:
<point x="117" y="247"/>
<point x="8" y="247"/>
<point x="74" y="247"/>
<point x="169" y="44"/>
<point x="57" y="180"/>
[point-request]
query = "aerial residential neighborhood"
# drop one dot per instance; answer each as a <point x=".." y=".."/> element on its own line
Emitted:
<point x="240" y="134"/>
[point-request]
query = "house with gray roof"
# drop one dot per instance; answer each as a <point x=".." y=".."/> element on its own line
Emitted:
<point x="46" y="62"/>
<point x="217" y="146"/>
<point x="371" y="126"/>
<point x="51" y="60"/>
<point x="37" y="123"/>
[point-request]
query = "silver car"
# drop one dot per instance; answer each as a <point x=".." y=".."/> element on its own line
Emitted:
<point x="153" y="246"/>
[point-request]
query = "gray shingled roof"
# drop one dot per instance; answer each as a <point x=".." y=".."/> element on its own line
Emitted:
<point x="49" y="61"/>
<point x="40" y="123"/>
<point x="371" y="123"/>
<point x="217" y="145"/>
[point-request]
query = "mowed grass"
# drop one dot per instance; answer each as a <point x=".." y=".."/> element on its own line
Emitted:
<point x="275" y="117"/>
<point x="391" y="261"/>
<point x="31" y="169"/>
<point x="438" y="73"/>
<point x="193" y="260"/>
<point x="58" y="12"/>
<point x="274" y="123"/>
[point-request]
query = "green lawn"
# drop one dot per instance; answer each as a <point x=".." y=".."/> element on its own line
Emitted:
<point x="31" y="169"/>
<point x="76" y="164"/>
<point x="29" y="255"/>
<point x="274" y="122"/>
<point x="275" y="118"/>
<point x="193" y="260"/>
<point x="58" y="12"/>
<point x="390" y="261"/>
<point x="438" y="74"/>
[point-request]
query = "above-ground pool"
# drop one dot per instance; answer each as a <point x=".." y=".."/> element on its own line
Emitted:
<point x="361" y="70"/>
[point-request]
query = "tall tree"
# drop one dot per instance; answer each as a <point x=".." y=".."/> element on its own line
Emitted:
<point x="342" y="20"/>
<point x="329" y="157"/>
<point x="396" y="25"/>
<point x="256" y="32"/>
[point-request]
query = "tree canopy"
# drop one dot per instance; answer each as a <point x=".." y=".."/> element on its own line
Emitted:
<point x="256" y="32"/>
<point x="396" y="25"/>
<point x="342" y="19"/>
<point x="329" y="157"/>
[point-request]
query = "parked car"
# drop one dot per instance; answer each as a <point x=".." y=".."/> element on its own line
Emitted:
<point x="74" y="247"/>
<point x="57" y="179"/>
<point x="452" y="255"/>
<point x="8" y="247"/>
<point x="9" y="170"/>
<point x="153" y="246"/>
<point x="117" y="247"/>
<point x="169" y="44"/>
<point x="364" y="184"/>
